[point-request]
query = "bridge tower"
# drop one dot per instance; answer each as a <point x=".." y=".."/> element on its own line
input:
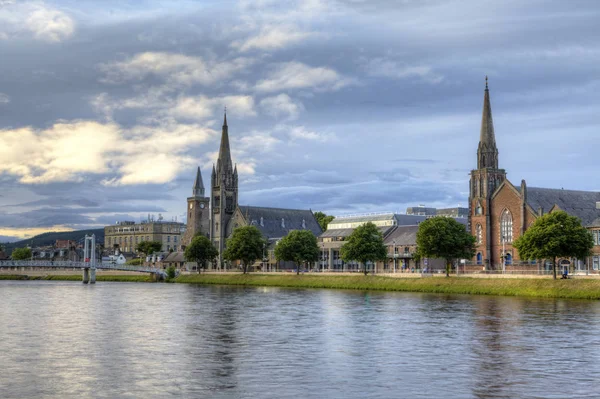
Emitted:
<point x="89" y="257"/>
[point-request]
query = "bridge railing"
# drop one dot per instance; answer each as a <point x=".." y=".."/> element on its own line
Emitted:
<point x="79" y="265"/>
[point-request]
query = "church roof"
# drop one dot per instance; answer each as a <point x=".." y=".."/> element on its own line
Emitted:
<point x="278" y="222"/>
<point x="577" y="203"/>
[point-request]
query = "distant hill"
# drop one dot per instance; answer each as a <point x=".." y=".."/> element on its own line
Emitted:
<point x="51" y="237"/>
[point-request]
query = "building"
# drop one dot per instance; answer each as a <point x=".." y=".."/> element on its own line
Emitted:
<point x="127" y="235"/>
<point x="198" y="209"/>
<point x="226" y="214"/>
<point x="378" y="219"/>
<point x="500" y="212"/>
<point x="421" y="210"/>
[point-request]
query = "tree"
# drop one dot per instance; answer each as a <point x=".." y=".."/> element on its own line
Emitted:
<point x="246" y="245"/>
<point x="299" y="246"/>
<point x="365" y="244"/>
<point x="200" y="250"/>
<point x="555" y="235"/>
<point x="323" y="219"/>
<point x="444" y="237"/>
<point x="149" y="247"/>
<point x="21" y="254"/>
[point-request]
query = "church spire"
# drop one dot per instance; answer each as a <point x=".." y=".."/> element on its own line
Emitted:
<point x="224" y="160"/>
<point x="487" y="152"/>
<point x="198" y="185"/>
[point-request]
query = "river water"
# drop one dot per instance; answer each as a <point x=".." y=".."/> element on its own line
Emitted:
<point x="134" y="340"/>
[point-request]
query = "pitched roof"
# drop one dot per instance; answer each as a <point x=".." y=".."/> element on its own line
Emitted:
<point x="346" y="232"/>
<point x="486" y="135"/>
<point x="577" y="203"/>
<point x="401" y="220"/>
<point x="402" y="235"/>
<point x="272" y="226"/>
<point x="175" y="257"/>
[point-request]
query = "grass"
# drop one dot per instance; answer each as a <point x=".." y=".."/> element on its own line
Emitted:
<point x="543" y="288"/>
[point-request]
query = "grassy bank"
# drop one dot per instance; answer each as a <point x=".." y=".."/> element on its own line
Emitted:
<point x="78" y="277"/>
<point x="544" y="288"/>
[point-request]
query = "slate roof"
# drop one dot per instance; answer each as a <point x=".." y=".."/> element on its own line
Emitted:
<point x="346" y="232"/>
<point x="402" y="235"/>
<point x="174" y="257"/>
<point x="577" y="203"/>
<point x="271" y="220"/>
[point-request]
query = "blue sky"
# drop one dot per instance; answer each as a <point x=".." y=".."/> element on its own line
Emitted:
<point x="106" y="107"/>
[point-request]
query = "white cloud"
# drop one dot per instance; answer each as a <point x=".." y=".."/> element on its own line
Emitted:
<point x="202" y="107"/>
<point x="295" y="75"/>
<point x="281" y="105"/>
<point x="43" y="22"/>
<point x="175" y="69"/>
<point x="4" y="98"/>
<point x="301" y="133"/>
<point x="272" y="38"/>
<point x="68" y="151"/>
<point x="382" y="67"/>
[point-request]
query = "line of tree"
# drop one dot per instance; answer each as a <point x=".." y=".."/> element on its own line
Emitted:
<point x="21" y="254"/>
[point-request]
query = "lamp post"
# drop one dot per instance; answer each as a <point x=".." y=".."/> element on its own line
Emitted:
<point x="323" y="257"/>
<point x="503" y="255"/>
<point x="394" y="255"/>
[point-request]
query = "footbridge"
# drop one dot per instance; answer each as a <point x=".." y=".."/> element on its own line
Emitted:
<point x="88" y="268"/>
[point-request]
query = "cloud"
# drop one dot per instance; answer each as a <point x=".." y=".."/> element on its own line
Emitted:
<point x="202" y="107"/>
<point x="296" y="75"/>
<point x="383" y="67"/>
<point x="4" y="98"/>
<point x="68" y="151"/>
<point x="175" y="69"/>
<point x="43" y="22"/>
<point x="281" y="105"/>
<point x="272" y="38"/>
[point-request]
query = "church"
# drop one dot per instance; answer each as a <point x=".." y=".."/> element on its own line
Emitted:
<point x="500" y="211"/>
<point x="218" y="215"/>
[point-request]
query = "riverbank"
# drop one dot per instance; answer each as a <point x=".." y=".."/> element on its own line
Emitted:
<point x="529" y="287"/>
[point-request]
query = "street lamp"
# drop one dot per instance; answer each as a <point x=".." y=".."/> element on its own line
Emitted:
<point x="323" y="257"/>
<point x="503" y="255"/>
<point x="394" y="255"/>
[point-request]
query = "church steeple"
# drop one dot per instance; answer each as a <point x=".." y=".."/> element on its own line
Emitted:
<point x="198" y="189"/>
<point x="487" y="152"/>
<point x="224" y="160"/>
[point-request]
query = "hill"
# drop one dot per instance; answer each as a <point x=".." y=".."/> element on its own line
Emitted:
<point x="50" y="238"/>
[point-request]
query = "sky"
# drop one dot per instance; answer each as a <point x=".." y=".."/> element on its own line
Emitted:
<point x="342" y="106"/>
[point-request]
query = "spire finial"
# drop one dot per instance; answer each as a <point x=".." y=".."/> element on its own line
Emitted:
<point x="486" y="82"/>
<point x="225" y="117"/>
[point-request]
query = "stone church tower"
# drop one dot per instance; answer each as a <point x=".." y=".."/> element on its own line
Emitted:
<point x="198" y="218"/>
<point x="224" y="193"/>
<point x="484" y="181"/>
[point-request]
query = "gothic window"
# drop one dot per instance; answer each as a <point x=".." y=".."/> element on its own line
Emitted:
<point x="506" y="227"/>
<point x="479" y="234"/>
<point x="479" y="209"/>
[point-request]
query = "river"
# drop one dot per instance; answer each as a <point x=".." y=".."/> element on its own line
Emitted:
<point x="136" y="340"/>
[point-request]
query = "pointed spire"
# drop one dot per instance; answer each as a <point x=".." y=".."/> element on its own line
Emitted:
<point x="198" y="185"/>
<point x="224" y="160"/>
<point x="225" y="116"/>
<point x="487" y="152"/>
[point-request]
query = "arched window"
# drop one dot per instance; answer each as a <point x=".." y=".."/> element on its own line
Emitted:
<point x="479" y="258"/>
<point x="508" y="259"/>
<point x="506" y="227"/>
<point x="479" y="233"/>
<point x="479" y="209"/>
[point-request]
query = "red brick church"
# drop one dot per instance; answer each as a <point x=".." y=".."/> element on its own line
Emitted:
<point x="500" y="212"/>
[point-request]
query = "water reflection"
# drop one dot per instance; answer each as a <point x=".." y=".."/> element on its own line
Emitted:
<point x="158" y="340"/>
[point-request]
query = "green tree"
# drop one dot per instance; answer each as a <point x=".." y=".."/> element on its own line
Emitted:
<point x="21" y="254"/>
<point x="365" y="244"/>
<point x="246" y="245"/>
<point x="323" y="219"/>
<point x="444" y="237"/>
<point x="555" y="235"/>
<point x="299" y="246"/>
<point x="149" y="247"/>
<point x="200" y="250"/>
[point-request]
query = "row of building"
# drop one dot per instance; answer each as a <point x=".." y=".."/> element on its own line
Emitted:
<point x="498" y="213"/>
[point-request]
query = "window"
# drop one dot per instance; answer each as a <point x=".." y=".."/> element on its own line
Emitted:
<point x="479" y="234"/>
<point x="175" y="239"/>
<point x="506" y="227"/>
<point x="479" y="258"/>
<point x="596" y="263"/>
<point x="596" y="235"/>
<point x="168" y="238"/>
